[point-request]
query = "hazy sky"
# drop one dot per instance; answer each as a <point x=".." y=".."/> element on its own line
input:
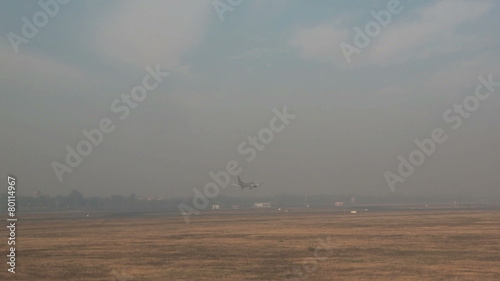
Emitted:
<point x="225" y="77"/>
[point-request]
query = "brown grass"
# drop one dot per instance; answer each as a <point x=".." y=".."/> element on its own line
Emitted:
<point x="439" y="245"/>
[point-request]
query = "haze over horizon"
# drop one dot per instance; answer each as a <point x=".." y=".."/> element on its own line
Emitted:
<point x="225" y="77"/>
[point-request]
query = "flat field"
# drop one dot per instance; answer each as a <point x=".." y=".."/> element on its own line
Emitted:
<point x="258" y="245"/>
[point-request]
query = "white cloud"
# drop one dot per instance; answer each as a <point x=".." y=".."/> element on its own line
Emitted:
<point x="152" y="32"/>
<point x="29" y="69"/>
<point x="433" y="31"/>
<point x="253" y="53"/>
<point x="320" y="42"/>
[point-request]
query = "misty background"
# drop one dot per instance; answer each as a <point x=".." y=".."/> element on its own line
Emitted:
<point x="353" y="120"/>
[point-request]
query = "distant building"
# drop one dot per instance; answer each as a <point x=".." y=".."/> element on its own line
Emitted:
<point x="339" y="204"/>
<point x="150" y="198"/>
<point x="262" y="204"/>
<point x="215" y="207"/>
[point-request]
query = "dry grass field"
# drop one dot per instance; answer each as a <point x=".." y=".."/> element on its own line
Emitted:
<point x="259" y="245"/>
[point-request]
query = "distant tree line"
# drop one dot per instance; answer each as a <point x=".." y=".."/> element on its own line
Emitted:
<point x="75" y="200"/>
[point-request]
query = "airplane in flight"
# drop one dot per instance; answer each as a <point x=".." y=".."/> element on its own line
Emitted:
<point x="250" y="185"/>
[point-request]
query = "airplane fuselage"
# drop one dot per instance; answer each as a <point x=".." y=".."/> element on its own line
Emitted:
<point x="250" y="185"/>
